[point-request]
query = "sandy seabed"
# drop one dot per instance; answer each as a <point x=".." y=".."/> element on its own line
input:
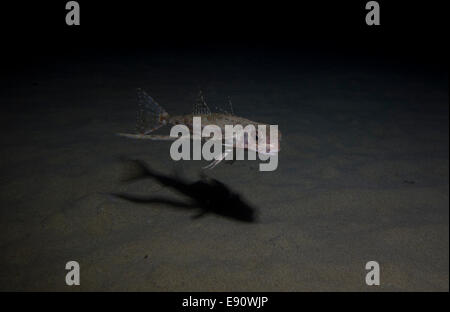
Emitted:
<point x="363" y="175"/>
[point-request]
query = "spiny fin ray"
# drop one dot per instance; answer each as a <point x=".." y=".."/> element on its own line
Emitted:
<point x="200" y="107"/>
<point x="151" y="115"/>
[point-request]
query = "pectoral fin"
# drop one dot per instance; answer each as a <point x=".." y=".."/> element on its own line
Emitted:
<point x="218" y="159"/>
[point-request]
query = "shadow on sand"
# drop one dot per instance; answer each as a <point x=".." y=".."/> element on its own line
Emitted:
<point x="207" y="194"/>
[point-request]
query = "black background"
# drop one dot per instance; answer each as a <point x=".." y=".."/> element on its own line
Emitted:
<point x="409" y="31"/>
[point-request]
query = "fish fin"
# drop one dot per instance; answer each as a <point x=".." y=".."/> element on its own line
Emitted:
<point x="153" y="137"/>
<point x="228" y="150"/>
<point x="218" y="159"/>
<point x="231" y="106"/>
<point x="200" y="107"/>
<point x="229" y="112"/>
<point x="151" y="115"/>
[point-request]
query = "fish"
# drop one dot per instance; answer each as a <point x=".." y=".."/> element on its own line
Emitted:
<point x="152" y="116"/>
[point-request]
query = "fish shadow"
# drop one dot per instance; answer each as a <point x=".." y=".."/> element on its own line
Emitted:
<point x="207" y="195"/>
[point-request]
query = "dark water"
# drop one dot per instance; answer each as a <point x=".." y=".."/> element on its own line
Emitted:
<point x="363" y="170"/>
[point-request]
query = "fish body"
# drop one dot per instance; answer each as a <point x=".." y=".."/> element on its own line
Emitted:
<point x="151" y="116"/>
<point x="218" y="119"/>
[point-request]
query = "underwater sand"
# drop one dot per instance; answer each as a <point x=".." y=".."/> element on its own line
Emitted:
<point x="363" y="175"/>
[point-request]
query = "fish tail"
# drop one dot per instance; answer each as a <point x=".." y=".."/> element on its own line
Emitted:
<point x="151" y="115"/>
